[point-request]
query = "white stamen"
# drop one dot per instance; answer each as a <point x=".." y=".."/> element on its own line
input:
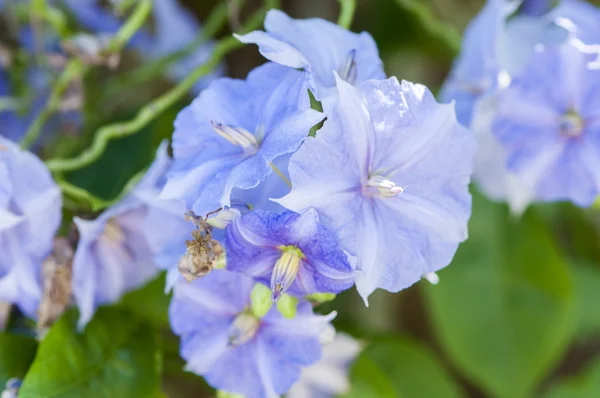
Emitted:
<point x="243" y="329"/>
<point x="237" y="136"/>
<point x="381" y="186"/>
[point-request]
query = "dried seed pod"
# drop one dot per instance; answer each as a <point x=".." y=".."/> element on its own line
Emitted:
<point x="57" y="280"/>
<point x="202" y="252"/>
<point x="5" y="309"/>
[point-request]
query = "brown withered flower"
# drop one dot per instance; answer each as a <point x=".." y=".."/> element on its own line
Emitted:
<point x="57" y="282"/>
<point x="202" y="252"/>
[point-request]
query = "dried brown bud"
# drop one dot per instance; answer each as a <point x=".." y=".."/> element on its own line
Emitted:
<point x="91" y="49"/>
<point x="5" y="309"/>
<point x="57" y="276"/>
<point x="202" y="252"/>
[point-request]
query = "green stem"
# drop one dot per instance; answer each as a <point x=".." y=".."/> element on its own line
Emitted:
<point x="153" y="109"/>
<point x="130" y="27"/>
<point x="73" y="69"/>
<point x="145" y="115"/>
<point x="270" y="4"/>
<point x="347" y="10"/>
<point x="215" y="22"/>
<point x="446" y="34"/>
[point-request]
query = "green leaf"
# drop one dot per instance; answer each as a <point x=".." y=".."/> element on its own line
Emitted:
<point x="504" y="309"/>
<point x="587" y="281"/>
<point x="16" y="354"/>
<point x="150" y="302"/>
<point x="584" y="385"/>
<point x="400" y="367"/>
<point x="118" y="355"/>
<point x="369" y="381"/>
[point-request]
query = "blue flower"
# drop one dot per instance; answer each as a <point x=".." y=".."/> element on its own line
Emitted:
<point x="165" y="227"/>
<point x="117" y="251"/>
<point x="548" y="122"/>
<point x="30" y="214"/>
<point x="500" y="41"/>
<point x="291" y="252"/>
<point x="230" y="135"/>
<point x="319" y="47"/>
<point x="234" y="350"/>
<point x="329" y="377"/>
<point x="389" y="174"/>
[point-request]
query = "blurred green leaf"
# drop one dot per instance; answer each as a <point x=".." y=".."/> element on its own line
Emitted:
<point x="587" y="283"/>
<point x="150" y="302"/>
<point x="400" y="367"/>
<point x="504" y="309"/>
<point x="369" y="381"/>
<point x="117" y="356"/>
<point x="16" y="354"/>
<point x="585" y="385"/>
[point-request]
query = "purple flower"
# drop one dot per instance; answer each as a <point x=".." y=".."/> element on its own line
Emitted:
<point x="318" y="47"/>
<point x="388" y="173"/>
<point x="235" y="351"/>
<point x="231" y="134"/>
<point x="548" y="122"/>
<point x="291" y="252"/>
<point x="30" y="214"/>
<point x="328" y="377"/>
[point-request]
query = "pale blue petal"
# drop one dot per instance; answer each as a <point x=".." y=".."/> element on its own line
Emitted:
<point x="318" y="46"/>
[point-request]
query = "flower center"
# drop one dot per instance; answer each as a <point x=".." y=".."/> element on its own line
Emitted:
<point x="114" y="232"/>
<point x="571" y="125"/>
<point x="286" y="269"/>
<point x="348" y="69"/>
<point x="237" y="136"/>
<point x="243" y="329"/>
<point x="382" y="187"/>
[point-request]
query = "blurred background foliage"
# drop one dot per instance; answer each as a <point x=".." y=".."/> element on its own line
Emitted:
<point x="515" y="315"/>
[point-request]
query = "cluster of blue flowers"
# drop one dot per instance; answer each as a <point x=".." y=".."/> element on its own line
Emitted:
<point x="526" y="84"/>
<point x="313" y="175"/>
<point x="377" y="198"/>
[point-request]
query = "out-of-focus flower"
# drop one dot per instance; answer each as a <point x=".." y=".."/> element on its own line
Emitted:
<point x="174" y="30"/>
<point x="113" y="255"/>
<point x="11" y="389"/>
<point x="548" y="122"/>
<point x="328" y="377"/>
<point x="230" y="135"/>
<point x="319" y="47"/>
<point x="502" y="38"/>
<point x="292" y="253"/>
<point x="234" y="350"/>
<point x="389" y="174"/>
<point x="30" y="214"/>
<point x="165" y="227"/>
